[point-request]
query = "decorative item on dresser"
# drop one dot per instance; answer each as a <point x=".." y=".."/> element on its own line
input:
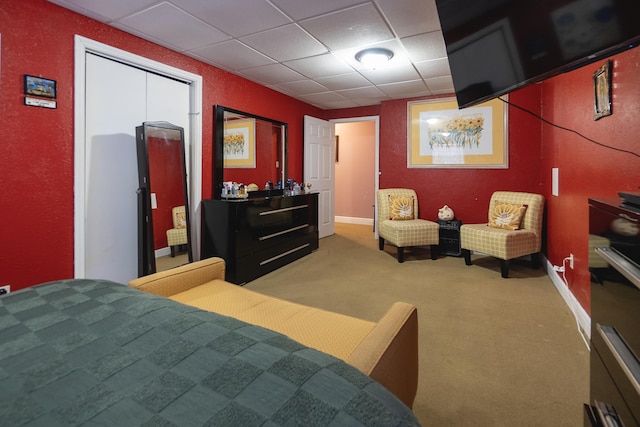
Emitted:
<point x="615" y="317"/>
<point x="258" y="235"/>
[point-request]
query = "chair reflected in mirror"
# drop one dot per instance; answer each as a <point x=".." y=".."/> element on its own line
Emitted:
<point x="177" y="236"/>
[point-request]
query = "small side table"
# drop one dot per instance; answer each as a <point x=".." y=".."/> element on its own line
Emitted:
<point x="450" y="237"/>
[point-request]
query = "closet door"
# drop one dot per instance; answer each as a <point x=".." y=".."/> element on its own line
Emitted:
<point x="117" y="100"/>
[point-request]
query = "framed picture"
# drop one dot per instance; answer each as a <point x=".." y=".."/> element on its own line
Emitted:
<point x="37" y="86"/>
<point x="240" y="144"/>
<point x="439" y="135"/>
<point x="602" y="91"/>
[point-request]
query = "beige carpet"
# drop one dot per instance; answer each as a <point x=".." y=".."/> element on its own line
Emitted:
<point x="493" y="351"/>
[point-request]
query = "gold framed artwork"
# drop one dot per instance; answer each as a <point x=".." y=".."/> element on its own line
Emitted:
<point x="240" y="144"/>
<point x="602" y="91"/>
<point x="439" y="135"/>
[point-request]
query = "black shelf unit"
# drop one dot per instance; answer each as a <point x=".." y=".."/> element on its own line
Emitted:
<point x="450" y="237"/>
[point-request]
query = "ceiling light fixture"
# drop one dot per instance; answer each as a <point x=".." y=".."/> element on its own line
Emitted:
<point x="374" y="57"/>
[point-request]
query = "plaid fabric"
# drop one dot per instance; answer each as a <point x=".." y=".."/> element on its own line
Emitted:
<point x="415" y="232"/>
<point x="177" y="235"/>
<point x="507" y="244"/>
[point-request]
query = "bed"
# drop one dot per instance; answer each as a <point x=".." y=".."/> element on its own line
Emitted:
<point x="95" y="352"/>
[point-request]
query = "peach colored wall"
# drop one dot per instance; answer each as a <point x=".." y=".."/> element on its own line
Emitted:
<point x="355" y="179"/>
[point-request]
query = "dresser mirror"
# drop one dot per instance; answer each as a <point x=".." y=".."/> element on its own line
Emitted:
<point x="248" y="149"/>
<point x="164" y="240"/>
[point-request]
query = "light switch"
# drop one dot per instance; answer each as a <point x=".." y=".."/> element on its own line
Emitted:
<point x="554" y="182"/>
<point x="154" y="202"/>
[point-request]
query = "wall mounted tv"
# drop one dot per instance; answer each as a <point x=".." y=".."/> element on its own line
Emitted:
<point x="496" y="46"/>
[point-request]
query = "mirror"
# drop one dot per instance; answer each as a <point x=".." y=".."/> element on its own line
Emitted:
<point x="248" y="149"/>
<point x="164" y="240"/>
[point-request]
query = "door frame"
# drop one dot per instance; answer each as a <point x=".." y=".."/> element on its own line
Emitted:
<point x="82" y="46"/>
<point x="376" y="168"/>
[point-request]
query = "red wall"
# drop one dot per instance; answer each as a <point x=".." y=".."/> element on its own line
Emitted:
<point x="37" y="144"/>
<point x="466" y="191"/>
<point x="587" y="169"/>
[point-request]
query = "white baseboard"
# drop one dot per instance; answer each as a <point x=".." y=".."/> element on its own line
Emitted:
<point x="354" y="220"/>
<point x="582" y="318"/>
<point x="163" y="252"/>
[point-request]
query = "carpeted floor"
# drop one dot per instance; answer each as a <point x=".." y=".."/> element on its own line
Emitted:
<point x="493" y="351"/>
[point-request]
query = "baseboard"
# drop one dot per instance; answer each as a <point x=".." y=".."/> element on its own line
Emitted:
<point x="354" y="220"/>
<point x="582" y="318"/>
<point x="163" y="252"/>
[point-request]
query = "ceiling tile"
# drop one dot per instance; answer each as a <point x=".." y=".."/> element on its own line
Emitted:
<point x="407" y="19"/>
<point x="406" y="89"/>
<point x="233" y="54"/>
<point x="344" y="81"/>
<point x="300" y="48"/>
<point x="303" y="87"/>
<point x="319" y="66"/>
<point x="168" y="23"/>
<point x="285" y="43"/>
<point x="236" y="18"/>
<point x="390" y="74"/>
<point x="306" y="9"/>
<point x="272" y="74"/>
<point x="425" y="46"/>
<point x="440" y="84"/>
<point x="105" y="11"/>
<point x="433" y="68"/>
<point x="359" y="25"/>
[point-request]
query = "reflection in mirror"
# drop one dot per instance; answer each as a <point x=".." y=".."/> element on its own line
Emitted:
<point x="248" y="149"/>
<point x="163" y="222"/>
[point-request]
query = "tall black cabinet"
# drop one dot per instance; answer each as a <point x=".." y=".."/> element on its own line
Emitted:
<point x="615" y="316"/>
<point x="258" y="235"/>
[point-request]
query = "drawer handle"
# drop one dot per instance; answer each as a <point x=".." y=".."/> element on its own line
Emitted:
<point x="267" y="261"/>
<point x="292" y="208"/>
<point x="280" y="233"/>
<point x="625" y="357"/>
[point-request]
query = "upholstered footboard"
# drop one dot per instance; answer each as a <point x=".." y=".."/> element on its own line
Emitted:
<point x="386" y="350"/>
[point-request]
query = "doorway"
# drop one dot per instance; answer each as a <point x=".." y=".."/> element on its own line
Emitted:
<point x="357" y="170"/>
<point x="83" y="166"/>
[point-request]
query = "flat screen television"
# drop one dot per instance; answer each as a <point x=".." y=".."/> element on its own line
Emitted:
<point x="496" y="46"/>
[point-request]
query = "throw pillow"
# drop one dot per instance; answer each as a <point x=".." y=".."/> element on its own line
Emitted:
<point x="400" y="208"/>
<point x="181" y="220"/>
<point x="506" y="215"/>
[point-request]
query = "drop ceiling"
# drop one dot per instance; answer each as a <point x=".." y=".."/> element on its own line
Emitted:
<point x="303" y="48"/>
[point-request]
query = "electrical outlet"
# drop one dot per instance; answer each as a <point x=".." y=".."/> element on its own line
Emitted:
<point x="5" y="289"/>
<point x="571" y="261"/>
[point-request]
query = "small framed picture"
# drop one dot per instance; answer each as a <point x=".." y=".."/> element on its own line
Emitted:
<point x="38" y="86"/>
<point x="602" y="91"/>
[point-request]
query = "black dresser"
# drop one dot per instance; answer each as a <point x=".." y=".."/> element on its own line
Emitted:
<point x="258" y="235"/>
<point x="615" y="318"/>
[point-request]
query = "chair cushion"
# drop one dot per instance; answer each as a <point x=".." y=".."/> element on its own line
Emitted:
<point x="415" y="232"/>
<point x="401" y="208"/>
<point x="177" y="236"/>
<point x="507" y="216"/>
<point x="498" y="242"/>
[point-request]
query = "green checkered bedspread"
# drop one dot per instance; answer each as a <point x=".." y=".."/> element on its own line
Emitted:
<point x="92" y="352"/>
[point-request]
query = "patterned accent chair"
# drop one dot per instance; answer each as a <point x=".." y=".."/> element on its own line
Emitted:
<point x="177" y="235"/>
<point x="405" y="232"/>
<point x="507" y="244"/>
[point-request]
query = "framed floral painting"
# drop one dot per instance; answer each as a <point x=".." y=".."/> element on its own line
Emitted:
<point x="439" y="135"/>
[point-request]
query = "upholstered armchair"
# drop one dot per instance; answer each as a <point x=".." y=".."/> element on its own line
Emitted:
<point x="177" y="235"/>
<point x="514" y="229"/>
<point x="400" y="225"/>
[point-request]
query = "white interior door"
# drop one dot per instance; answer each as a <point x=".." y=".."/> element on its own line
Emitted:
<point x="319" y="167"/>
<point x="119" y="98"/>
